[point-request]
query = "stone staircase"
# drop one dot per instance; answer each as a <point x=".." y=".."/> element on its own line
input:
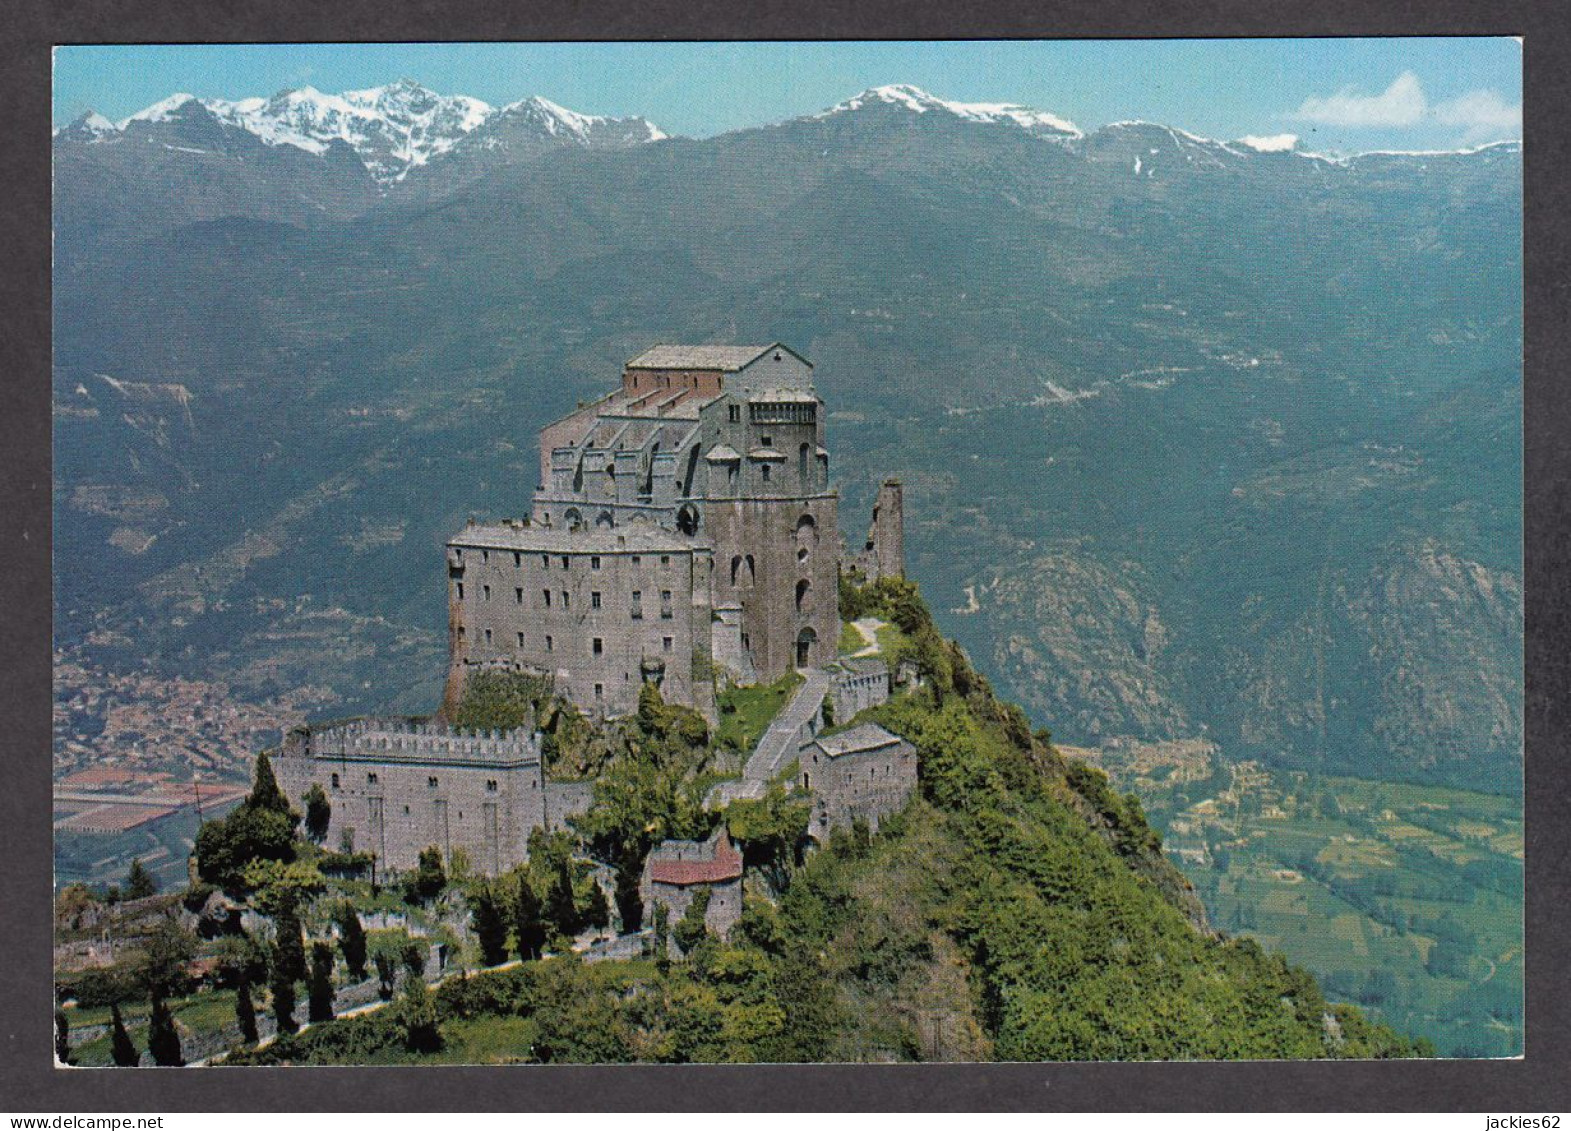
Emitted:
<point x="791" y="729"/>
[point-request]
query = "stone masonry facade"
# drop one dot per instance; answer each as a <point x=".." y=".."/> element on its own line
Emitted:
<point x="685" y="525"/>
<point x="397" y="786"/>
<point x="865" y="773"/>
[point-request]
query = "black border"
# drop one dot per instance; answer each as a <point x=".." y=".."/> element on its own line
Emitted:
<point x="28" y="1082"/>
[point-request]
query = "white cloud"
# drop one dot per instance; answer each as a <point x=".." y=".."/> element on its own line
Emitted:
<point x="1480" y="114"/>
<point x="1403" y="103"/>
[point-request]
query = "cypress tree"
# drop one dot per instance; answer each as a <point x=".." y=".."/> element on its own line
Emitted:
<point x="265" y="793"/>
<point x="351" y="940"/>
<point x="62" y="1037"/>
<point x="321" y="998"/>
<point x="528" y="924"/>
<point x="120" y="1047"/>
<point x="162" y="1040"/>
<point x="489" y="923"/>
<point x="283" y="988"/>
<point x="561" y="911"/>
<point x="139" y="883"/>
<point x="290" y="955"/>
<point x="245" y="1010"/>
<point x="318" y="813"/>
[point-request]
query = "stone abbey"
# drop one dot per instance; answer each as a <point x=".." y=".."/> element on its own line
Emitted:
<point x="684" y="533"/>
<point x="684" y="528"/>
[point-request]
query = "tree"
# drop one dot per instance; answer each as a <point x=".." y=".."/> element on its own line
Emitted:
<point x="561" y="909"/>
<point x="121" y="1049"/>
<point x="164" y="970"/>
<point x="320" y="1007"/>
<point x="163" y="1042"/>
<point x="529" y="930"/>
<point x="225" y="847"/>
<point x="283" y="988"/>
<point x="289" y="951"/>
<point x="351" y="940"/>
<point x="597" y="913"/>
<point x="417" y="1018"/>
<point x="139" y="883"/>
<point x="428" y="879"/>
<point x="265" y="794"/>
<point x="629" y="900"/>
<point x="318" y="813"/>
<point x="245" y="1009"/>
<point x="386" y="972"/>
<point x="489" y="922"/>
<point x="62" y="1037"/>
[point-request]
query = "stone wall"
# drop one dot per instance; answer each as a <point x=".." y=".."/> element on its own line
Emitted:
<point x="858" y="685"/>
<point x="397" y="786"/>
<point x="866" y="784"/>
<point x="597" y="610"/>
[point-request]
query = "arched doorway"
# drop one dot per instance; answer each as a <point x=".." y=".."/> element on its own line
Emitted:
<point x="805" y="640"/>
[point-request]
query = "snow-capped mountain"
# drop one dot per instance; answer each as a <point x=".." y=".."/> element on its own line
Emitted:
<point x="394" y="129"/>
<point x="916" y="100"/>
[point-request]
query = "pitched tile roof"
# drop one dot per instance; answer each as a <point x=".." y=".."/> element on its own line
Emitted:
<point x="684" y="862"/>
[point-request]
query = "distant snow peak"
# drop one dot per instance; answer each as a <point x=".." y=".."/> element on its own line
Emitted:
<point x="919" y="101"/>
<point x="393" y="128"/>
<point x="1276" y="143"/>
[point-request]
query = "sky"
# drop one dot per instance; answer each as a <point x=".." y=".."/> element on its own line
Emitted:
<point x="1335" y="95"/>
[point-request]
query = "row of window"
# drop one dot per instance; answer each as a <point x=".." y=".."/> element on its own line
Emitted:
<point x="431" y="783"/>
<point x="595" y="601"/>
<point x="597" y="644"/>
<point x="566" y="559"/>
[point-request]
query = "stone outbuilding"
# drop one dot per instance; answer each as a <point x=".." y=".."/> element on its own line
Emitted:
<point x="678" y="870"/>
<point x="863" y="773"/>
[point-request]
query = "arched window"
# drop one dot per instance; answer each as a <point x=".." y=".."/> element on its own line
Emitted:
<point x="802" y="454"/>
<point x="573" y="519"/>
<point x="603" y="520"/>
<point x="803" y="587"/>
<point x="687" y="519"/>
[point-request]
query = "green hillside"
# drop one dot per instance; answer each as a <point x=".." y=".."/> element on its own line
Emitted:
<point x="1019" y="909"/>
<point x="1407" y="899"/>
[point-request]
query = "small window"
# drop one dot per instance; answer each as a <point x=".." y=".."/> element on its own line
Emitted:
<point x="460" y="590"/>
<point x="546" y="593"/>
<point x="545" y="561"/>
<point x="518" y="595"/>
<point x="459" y="554"/>
<point x="638" y="560"/>
<point x="485" y="591"/>
<point x="490" y="785"/>
<point x="485" y="555"/>
<point x="564" y="561"/>
<point x="567" y="599"/>
<point x="598" y="646"/>
<point x="460" y="632"/>
<point x="665" y="643"/>
<point x="430" y="782"/>
<point x="335" y="781"/>
<point x="549" y="644"/>
<point x="767" y="441"/>
<point x="599" y="691"/>
<point x="594" y="599"/>
<point x="766" y="472"/>
<point x="735" y="413"/>
<point x="370" y="779"/>
<point x="594" y="562"/>
<point x="488" y="636"/>
<point x="520" y="639"/>
<point x="518" y="560"/>
<point x="665" y="559"/>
